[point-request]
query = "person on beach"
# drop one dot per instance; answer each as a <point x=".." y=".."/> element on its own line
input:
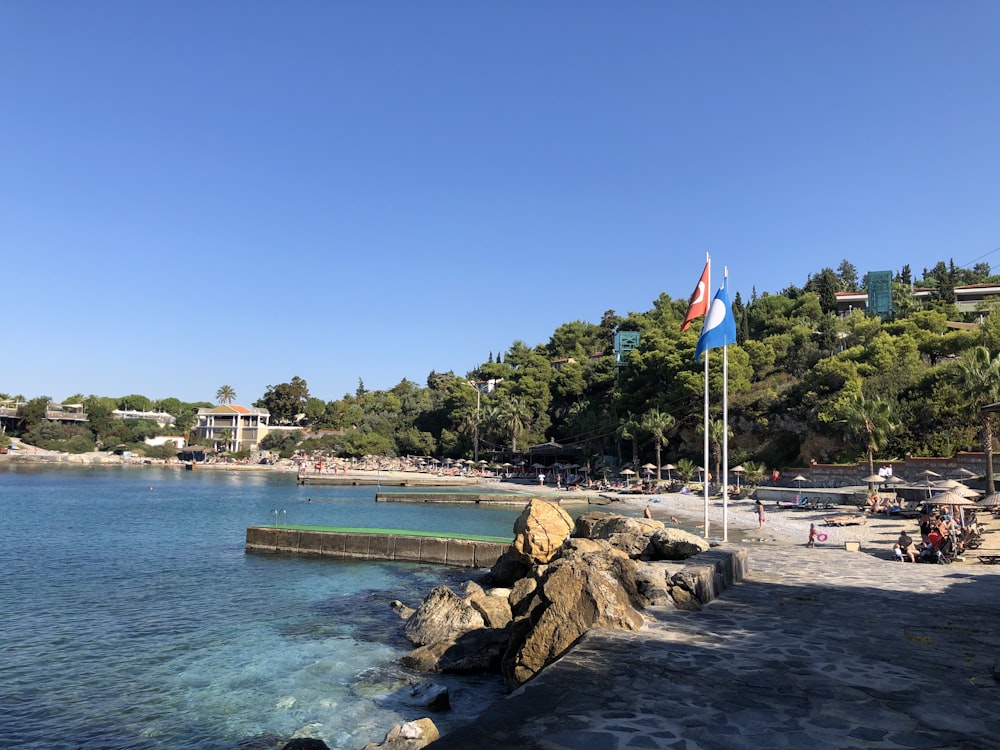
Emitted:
<point x="812" y="535"/>
<point x="760" y="514"/>
<point x="648" y="512"/>
<point x="906" y="546"/>
<point x="541" y="479"/>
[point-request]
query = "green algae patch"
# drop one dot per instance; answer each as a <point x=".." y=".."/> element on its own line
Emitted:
<point x="397" y="532"/>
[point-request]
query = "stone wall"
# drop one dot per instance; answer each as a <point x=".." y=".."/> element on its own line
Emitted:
<point x="843" y="475"/>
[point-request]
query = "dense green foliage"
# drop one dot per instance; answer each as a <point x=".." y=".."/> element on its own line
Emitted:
<point x="805" y="383"/>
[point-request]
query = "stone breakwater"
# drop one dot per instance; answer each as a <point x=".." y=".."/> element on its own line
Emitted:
<point x="360" y="545"/>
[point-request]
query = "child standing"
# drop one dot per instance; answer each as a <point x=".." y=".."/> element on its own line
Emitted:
<point x="812" y="535"/>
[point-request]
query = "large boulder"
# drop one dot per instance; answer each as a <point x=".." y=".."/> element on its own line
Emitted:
<point x="642" y="538"/>
<point x="572" y="595"/>
<point x="492" y="605"/>
<point x="540" y="531"/>
<point x="653" y="584"/>
<point x="676" y="544"/>
<point x="441" y="618"/>
<point x="476" y="651"/>
<point x="508" y="569"/>
<point x="411" y="735"/>
<point x="596" y="525"/>
<point x="305" y="743"/>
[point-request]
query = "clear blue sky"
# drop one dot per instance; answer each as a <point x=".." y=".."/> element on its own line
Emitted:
<point x="197" y="194"/>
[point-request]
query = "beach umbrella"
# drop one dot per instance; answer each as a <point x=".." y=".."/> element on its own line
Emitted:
<point x="927" y="473"/>
<point x="668" y="468"/>
<point x="626" y="472"/>
<point x="649" y="467"/>
<point x="966" y="491"/>
<point x="893" y="479"/>
<point x="950" y="497"/>
<point x="990" y="501"/>
<point x="874" y="479"/>
<point x="963" y="473"/>
<point x="925" y="484"/>
<point x="947" y="484"/>
<point x="799" y="479"/>
<point x="737" y="470"/>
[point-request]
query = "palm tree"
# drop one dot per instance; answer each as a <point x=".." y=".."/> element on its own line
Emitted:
<point x="754" y="472"/>
<point x="629" y="429"/>
<point x="657" y="423"/>
<point x="871" y="421"/>
<point x="716" y="429"/>
<point x="686" y="468"/>
<point x="978" y="377"/>
<point x="515" y="416"/>
<point x="225" y="394"/>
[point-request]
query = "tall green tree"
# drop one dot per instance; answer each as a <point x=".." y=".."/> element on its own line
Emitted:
<point x="870" y="420"/>
<point x="716" y="430"/>
<point x="285" y="401"/>
<point x="657" y="424"/>
<point x="515" y="415"/>
<point x="225" y="394"/>
<point x="630" y="428"/>
<point x="978" y="379"/>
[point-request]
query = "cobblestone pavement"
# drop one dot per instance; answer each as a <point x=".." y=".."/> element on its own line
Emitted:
<point x="815" y="648"/>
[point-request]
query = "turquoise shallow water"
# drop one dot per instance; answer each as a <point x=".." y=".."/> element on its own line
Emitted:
<point x="132" y="618"/>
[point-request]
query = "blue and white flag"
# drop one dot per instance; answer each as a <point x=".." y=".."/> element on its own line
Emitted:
<point x="719" y="328"/>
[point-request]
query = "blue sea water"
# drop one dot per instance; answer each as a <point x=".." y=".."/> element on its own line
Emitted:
<point x="131" y="617"/>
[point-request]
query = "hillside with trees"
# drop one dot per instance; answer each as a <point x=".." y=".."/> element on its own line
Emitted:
<point x="805" y="383"/>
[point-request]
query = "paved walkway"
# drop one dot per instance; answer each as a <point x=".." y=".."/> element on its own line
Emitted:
<point x="817" y="648"/>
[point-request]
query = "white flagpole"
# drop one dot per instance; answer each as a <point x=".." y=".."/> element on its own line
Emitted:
<point x="725" y="433"/>
<point x="708" y="287"/>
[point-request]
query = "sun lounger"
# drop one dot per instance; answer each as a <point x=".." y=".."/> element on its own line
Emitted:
<point x="846" y="520"/>
<point x="788" y="504"/>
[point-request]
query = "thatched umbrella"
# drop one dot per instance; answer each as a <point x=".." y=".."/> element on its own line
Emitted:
<point x="990" y="501"/>
<point x="951" y="497"/>
<point x="737" y="470"/>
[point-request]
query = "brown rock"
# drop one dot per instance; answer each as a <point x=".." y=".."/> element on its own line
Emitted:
<point x="441" y="617"/>
<point x="573" y="595"/>
<point x="676" y="544"/>
<point x="508" y="569"/>
<point x="424" y="658"/>
<point x="598" y="525"/>
<point x="540" y="531"/>
<point x="412" y="735"/>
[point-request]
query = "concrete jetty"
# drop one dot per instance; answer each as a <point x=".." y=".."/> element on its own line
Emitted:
<point x="377" y="544"/>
